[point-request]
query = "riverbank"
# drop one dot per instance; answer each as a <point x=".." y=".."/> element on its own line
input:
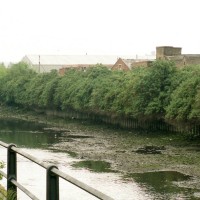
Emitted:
<point x="121" y="148"/>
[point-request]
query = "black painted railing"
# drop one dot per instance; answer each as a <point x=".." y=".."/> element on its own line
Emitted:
<point x="53" y="174"/>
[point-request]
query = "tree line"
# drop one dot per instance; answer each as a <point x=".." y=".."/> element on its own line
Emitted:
<point x="160" y="92"/>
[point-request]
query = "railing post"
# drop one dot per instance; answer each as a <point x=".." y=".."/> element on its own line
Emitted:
<point x="52" y="184"/>
<point x="11" y="170"/>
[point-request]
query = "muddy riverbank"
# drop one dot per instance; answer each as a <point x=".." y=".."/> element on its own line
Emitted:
<point x="171" y="152"/>
<point x="121" y="150"/>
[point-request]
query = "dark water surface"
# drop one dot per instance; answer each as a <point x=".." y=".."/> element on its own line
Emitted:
<point x="166" y="184"/>
<point x="93" y="165"/>
<point x="37" y="140"/>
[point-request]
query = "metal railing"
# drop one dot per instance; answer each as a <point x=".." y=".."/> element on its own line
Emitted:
<point x="52" y="176"/>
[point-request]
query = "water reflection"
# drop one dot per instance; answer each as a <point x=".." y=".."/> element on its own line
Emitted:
<point x="19" y="125"/>
<point x="27" y="134"/>
<point x="37" y="141"/>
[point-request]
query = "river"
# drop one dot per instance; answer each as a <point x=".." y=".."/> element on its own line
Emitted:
<point x="37" y="140"/>
<point x="33" y="140"/>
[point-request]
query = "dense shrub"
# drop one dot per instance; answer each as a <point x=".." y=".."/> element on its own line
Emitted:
<point x="159" y="92"/>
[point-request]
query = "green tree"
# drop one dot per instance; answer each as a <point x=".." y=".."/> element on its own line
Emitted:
<point x="184" y="99"/>
<point x="13" y="83"/>
<point x="152" y="91"/>
<point x="126" y="91"/>
<point x="50" y="81"/>
<point x="2" y="70"/>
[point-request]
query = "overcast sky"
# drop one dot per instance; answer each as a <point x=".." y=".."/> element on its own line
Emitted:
<point x="96" y="27"/>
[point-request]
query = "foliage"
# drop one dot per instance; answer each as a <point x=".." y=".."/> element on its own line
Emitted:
<point x="41" y="89"/>
<point x="152" y="91"/>
<point x="75" y="88"/>
<point x="2" y="70"/>
<point x="13" y="83"/>
<point x="185" y="97"/>
<point x="158" y="92"/>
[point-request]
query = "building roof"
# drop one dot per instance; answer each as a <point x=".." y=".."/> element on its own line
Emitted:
<point x="70" y="59"/>
<point x="128" y="62"/>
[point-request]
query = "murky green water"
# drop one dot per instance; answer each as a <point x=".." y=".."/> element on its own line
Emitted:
<point x="38" y="140"/>
<point x="27" y="134"/>
<point x="94" y="165"/>
<point x="152" y="185"/>
<point x="166" y="184"/>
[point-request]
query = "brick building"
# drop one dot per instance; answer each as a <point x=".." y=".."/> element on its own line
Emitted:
<point x="128" y="64"/>
<point x="123" y="64"/>
<point x="175" y="54"/>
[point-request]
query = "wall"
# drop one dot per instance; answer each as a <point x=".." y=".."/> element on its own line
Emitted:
<point x="146" y="63"/>
<point x="116" y="121"/>
<point x="174" y="54"/>
<point x="184" y="60"/>
<point x="163" y="51"/>
<point x="176" y="51"/>
<point x="192" y="59"/>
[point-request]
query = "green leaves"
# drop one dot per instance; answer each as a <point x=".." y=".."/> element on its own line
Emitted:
<point x="184" y="103"/>
<point x="2" y="70"/>
<point x="160" y="91"/>
<point x="152" y="90"/>
<point x="13" y="83"/>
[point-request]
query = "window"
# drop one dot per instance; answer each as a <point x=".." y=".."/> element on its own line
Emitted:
<point x="120" y="66"/>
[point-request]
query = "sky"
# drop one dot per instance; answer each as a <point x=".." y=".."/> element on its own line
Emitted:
<point x="96" y="27"/>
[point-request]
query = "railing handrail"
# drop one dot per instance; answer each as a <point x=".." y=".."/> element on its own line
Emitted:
<point x="53" y="174"/>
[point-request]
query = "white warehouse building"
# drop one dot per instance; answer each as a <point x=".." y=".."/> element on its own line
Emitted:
<point x="46" y="63"/>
